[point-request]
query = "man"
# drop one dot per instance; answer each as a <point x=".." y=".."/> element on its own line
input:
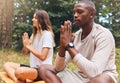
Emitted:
<point x="93" y="51"/>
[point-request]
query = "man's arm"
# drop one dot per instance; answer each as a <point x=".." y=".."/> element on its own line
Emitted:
<point x="98" y="62"/>
<point x="65" y="38"/>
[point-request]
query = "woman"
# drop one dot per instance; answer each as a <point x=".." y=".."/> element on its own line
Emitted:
<point x="40" y="46"/>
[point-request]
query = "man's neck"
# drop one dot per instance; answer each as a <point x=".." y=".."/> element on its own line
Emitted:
<point x="86" y="30"/>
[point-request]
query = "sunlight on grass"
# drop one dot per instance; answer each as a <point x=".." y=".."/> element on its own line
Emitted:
<point x="118" y="63"/>
<point x="12" y="56"/>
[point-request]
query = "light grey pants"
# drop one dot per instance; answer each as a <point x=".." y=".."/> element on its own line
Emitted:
<point x="69" y="76"/>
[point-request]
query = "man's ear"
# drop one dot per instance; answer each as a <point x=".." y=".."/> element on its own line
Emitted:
<point x="92" y="14"/>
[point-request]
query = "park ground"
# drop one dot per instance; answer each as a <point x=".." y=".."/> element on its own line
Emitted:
<point x="18" y="57"/>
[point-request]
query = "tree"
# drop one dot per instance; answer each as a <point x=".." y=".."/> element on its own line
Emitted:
<point x="6" y="16"/>
<point x="107" y="14"/>
<point x="58" y="12"/>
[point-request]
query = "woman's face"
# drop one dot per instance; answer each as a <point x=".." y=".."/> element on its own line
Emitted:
<point x="35" y="21"/>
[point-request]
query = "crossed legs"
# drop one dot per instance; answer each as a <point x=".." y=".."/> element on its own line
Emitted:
<point x="102" y="78"/>
<point x="48" y="74"/>
<point x="10" y="68"/>
<point x="19" y="74"/>
<point x="24" y="73"/>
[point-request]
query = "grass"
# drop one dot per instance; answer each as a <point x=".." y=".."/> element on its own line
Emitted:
<point x="117" y="61"/>
<point x="17" y="57"/>
<point x="12" y="56"/>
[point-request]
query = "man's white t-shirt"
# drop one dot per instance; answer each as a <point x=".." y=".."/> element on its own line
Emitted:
<point x="45" y="40"/>
<point x="96" y="54"/>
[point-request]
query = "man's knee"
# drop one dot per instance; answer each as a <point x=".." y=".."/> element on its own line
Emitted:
<point x="42" y="70"/>
<point x="48" y="74"/>
<point x="102" y="78"/>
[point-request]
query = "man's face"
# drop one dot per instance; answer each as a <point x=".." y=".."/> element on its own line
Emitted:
<point x="81" y="14"/>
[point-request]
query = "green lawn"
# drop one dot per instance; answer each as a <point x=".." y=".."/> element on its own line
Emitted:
<point x="19" y="58"/>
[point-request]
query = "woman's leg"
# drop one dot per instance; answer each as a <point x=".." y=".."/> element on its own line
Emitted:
<point x="24" y="73"/>
<point x="10" y="69"/>
<point x="102" y="78"/>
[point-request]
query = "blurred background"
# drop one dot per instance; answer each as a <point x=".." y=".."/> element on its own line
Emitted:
<point x="16" y="18"/>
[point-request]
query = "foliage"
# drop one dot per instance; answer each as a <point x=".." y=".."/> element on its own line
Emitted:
<point x="107" y="14"/>
<point x="58" y="12"/>
<point x="18" y="31"/>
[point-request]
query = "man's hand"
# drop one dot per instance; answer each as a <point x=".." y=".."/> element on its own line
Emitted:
<point x="65" y="33"/>
<point x="72" y="37"/>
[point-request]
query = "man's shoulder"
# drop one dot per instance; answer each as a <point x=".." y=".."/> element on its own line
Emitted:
<point x="98" y="26"/>
<point x="101" y="31"/>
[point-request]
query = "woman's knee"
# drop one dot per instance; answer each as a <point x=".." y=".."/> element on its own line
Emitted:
<point x="19" y="72"/>
<point x="7" y="64"/>
<point x="11" y="65"/>
<point x="24" y="73"/>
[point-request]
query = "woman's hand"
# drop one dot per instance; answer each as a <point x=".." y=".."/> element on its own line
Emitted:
<point x="26" y="41"/>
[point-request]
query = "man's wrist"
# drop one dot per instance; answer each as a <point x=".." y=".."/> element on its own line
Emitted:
<point x="69" y="45"/>
<point x="61" y="52"/>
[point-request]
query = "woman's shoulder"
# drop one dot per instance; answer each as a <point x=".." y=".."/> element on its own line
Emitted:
<point x="45" y="32"/>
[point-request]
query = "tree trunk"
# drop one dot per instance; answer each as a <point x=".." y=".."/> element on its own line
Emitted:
<point x="6" y="20"/>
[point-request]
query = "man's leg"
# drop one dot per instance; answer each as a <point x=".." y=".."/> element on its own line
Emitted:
<point x="48" y="74"/>
<point x="102" y="78"/>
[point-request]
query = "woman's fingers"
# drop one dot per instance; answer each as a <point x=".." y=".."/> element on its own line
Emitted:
<point x="25" y="35"/>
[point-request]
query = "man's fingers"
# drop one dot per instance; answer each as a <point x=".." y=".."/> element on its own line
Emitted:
<point x="69" y="27"/>
<point x="65" y="26"/>
<point x="62" y="29"/>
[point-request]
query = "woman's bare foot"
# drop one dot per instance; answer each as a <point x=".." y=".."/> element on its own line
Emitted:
<point x="21" y="81"/>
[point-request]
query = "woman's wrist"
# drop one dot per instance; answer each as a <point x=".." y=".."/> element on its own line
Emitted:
<point x="28" y="47"/>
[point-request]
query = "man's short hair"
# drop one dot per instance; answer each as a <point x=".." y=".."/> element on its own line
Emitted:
<point x="90" y="4"/>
